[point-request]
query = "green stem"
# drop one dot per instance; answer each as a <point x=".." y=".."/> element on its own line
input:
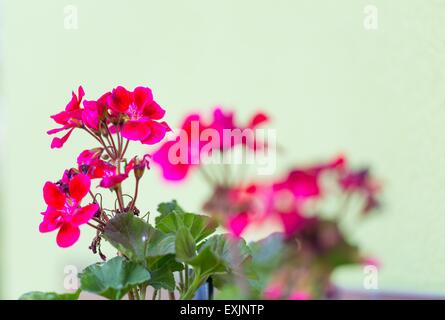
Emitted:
<point x="188" y="295"/>
<point x="136" y="191"/>
<point x="143" y="291"/>
<point x="186" y="276"/>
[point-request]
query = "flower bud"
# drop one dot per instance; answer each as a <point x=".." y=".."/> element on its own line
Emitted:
<point x="139" y="168"/>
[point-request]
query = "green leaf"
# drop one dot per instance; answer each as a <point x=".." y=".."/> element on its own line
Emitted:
<point x="161" y="271"/>
<point x="174" y="217"/>
<point x="185" y="245"/>
<point x="236" y="255"/>
<point x="114" y="278"/>
<point x="161" y="245"/>
<point x="143" y="244"/>
<point x="38" y="295"/>
<point x="165" y="208"/>
<point x="137" y="239"/>
<point x="232" y="252"/>
<point x="207" y="263"/>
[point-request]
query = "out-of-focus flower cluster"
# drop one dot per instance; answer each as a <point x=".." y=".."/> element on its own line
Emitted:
<point x="314" y="243"/>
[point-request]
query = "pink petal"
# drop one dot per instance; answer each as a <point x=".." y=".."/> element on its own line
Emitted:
<point x="157" y="133"/>
<point x="58" y="143"/>
<point x="79" y="186"/>
<point x="56" y="130"/>
<point x="113" y="129"/>
<point x="273" y="292"/>
<point x="238" y="223"/>
<point x="300" y="295"/>
<point x="170" y="171"/>
<point x="304" y="184"/>
<point x="53" y="196"/>
<point x="80" y="93"/>
<point x="84" y="214"/>
<point x="90" y="115"/>
<point x="136" y="130"/>
<point x="68" y="235"/>
<point x="292" y="222"/>
<point x="258" y="119"/>
<point x="51" y="221"/>
<point x="112" y="181"/>
<point x="89" y="155"/>
<point x="61" y="117"/>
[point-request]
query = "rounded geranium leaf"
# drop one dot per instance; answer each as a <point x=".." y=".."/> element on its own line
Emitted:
<point x="79" y="186"/>
<point x="53" y="196"/>
<point x="114" y="278"/>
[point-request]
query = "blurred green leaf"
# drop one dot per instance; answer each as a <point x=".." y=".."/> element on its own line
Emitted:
<point x="268" y="252"/>
<point x="38" y="295"/>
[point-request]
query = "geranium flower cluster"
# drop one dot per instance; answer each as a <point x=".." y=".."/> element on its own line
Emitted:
<point x="134" y="114"/>
<point x="113" y="120"/>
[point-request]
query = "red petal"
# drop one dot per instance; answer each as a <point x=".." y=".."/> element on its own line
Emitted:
<point x="258" y="119"/>
<point x="136" y="130"/>
<point x="119" y="100"/>
<point x="171" y="170"/>
<point x="68" y="235"/>
<point x="236" y="224"/>
<point x="58" y="143"/>
<point x="142" y="96"/>
<point x="154" y="111"/>
<point x="79" y="186"/>
<point x="61" y="117"/>
<point x="84" y="214"/>
<point x="80" y="93"/>
<point x="157" y="133"/>
<point x="53" y="196"/>
<point x="112" y="181"/>
<point x="51" y="221"/>
<point x="56" y="130"/>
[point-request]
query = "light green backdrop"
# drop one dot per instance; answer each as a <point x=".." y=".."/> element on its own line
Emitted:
<point x="331" y="86"/>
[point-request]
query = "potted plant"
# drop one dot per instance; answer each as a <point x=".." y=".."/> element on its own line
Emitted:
<point x="184" y="253"/>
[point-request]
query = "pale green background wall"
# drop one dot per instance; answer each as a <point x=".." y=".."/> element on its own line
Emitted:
<point x="330" y="84"/>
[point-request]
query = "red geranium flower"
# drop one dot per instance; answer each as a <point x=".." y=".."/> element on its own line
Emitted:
<point x="64" y="211"/>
